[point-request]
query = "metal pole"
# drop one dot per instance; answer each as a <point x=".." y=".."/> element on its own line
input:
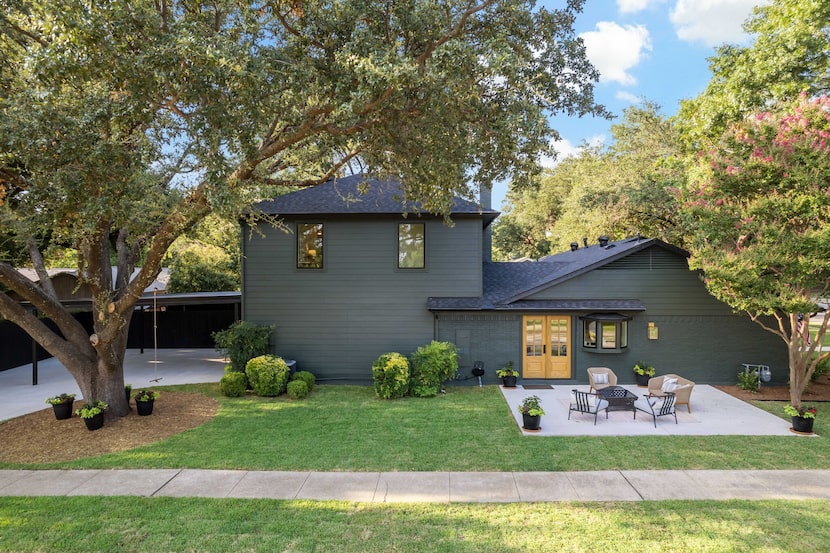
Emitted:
<point x="34" y="362"/>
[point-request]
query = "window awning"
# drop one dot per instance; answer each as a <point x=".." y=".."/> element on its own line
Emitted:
<point x="614" y="317"/>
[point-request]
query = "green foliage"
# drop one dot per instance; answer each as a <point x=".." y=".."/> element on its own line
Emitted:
<point x="618" y="191"/>
<point x="89" y="410"/>
<point x="268" y="375"/>
<point x="391" y="374"/>
<point x="507" y="370"/>
<point x="532" y="406"/>
<point x="146" y="395"/>
<point x="201" y="268"/>
<point x="790" y="54"/>
<point x="822" y="368"/>
<point x="297" y="389"/>
<point x="748" y="380"/>
<point x="233" y="384"/>
<point x="433" y="364"/>
<point x="306" y="377"/>
<point x="61" y="398"/>
<point x="643" y="368"/>
<point x="243" y="341"/>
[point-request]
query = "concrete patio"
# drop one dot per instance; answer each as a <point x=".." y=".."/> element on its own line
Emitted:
<point x="713" y="413"/>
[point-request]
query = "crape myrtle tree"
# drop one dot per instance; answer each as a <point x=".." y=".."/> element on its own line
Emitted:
<point x="123" y="124"/>
<point x="757" y="213"/>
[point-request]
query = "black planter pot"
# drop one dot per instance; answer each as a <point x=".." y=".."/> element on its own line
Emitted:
<point x="509" y="381"/>
<point x="63" y="411"/>
<point x="144" y="408"/>
<point x="803" y="424"/>
<point x="642" y="380"/>
<point x="95" y="422"/>
<point x="531" y="422"/>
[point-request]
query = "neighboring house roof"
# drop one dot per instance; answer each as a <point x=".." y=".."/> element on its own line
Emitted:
<point x="506" y="285"/>
<point x="358" y="195"/>
<point x="159" y="284"/>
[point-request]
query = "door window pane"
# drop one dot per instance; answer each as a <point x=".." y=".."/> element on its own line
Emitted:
<point x="411" y="245"/>
<point x="533" y="337"/>
<point x="309" y="246"/>
<point x="558" y="338"/>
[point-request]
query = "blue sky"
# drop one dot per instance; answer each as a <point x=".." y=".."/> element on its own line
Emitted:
<point x="652" y="49"/>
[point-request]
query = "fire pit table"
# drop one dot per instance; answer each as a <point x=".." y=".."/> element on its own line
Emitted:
<point x="619" y="399"/>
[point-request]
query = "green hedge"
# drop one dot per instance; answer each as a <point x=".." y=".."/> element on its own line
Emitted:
<point x="433" y="364"/>
<point x="268" y="375"/>
<point x="233" y="384"/>
<point x="243" y="341"/>
<point x="391" y="375"/>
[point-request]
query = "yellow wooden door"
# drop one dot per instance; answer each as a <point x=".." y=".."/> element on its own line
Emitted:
<point x="547" y="349"/>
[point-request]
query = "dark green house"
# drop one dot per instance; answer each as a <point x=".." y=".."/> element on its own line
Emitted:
<point x="355" y="273"/>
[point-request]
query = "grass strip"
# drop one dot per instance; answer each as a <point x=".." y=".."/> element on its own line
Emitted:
<point x="106" y="524"/>
<point x="347" y="428"/>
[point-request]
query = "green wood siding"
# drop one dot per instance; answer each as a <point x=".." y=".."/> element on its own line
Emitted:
<point x="336" y="321"/>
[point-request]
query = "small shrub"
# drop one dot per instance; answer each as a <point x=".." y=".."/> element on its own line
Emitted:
<point x="306" y="377"/>
<point x="822" y="369"/>
<point x="297" y="389"/>
<point x="748" y="380"/>
<point x="433" y="364"/>
<point x="233" y="384"/>
<point x="243" y="341"/>
<point x="268" y="375"/>
<point x="391" y="375"/>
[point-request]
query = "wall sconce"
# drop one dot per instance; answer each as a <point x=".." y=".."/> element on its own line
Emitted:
<point x="653" y="331"/>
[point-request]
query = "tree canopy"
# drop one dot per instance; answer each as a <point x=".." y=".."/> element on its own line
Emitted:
<point x="125" y="123"/>
<point x="757" y="213"/>
<point x="618" y="190"/>
<point x="789" y="54"/>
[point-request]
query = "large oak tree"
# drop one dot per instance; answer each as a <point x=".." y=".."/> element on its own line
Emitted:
<point x="125" y="123"/>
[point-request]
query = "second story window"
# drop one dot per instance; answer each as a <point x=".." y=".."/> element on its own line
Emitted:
<point x="411" y="245"/>
<point x="309" y="246"/>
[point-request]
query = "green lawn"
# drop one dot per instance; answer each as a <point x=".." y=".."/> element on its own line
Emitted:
<point x="346" y="428"/>
<point x="469" y="428"/>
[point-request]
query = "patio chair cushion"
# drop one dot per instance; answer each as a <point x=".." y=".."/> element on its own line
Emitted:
<point x="598" y="403"/>
<point x="601" y="378"/>
<point x="669" y="384"/>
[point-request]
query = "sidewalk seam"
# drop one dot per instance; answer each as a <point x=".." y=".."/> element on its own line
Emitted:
<point x="178" y="472"/>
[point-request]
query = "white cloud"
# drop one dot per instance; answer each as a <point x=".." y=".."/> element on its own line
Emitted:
<point x="626" y="96"/>
<point x="633" y="6"/>
<point x="565" y="148"/>
<point x="712" y="22"/>
<point x="614" y="49"/>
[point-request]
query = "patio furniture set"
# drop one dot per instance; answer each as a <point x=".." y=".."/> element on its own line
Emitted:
<point x="664" y="394"/>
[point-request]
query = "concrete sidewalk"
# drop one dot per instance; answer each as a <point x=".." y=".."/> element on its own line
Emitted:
<point x="425" y="487"/>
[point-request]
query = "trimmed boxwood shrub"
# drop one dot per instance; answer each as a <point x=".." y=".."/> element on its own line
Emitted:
<point x="297" y="389"/>
<point x="306" y="377"/>
<point x="432" y="364"/>
<point x="233" y="384"/>
<point x="242" y="341"/>
<point x="267" y="375"/>
<point x="391" y="375"/>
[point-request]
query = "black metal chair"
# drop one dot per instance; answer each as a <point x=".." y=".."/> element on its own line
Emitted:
<point x="586" y="402"/>
<point x="660" y="406"/>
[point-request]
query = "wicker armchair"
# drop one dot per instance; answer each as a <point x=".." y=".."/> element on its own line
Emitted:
<point x="682" y="389"/>
<point x="601" y="377"/>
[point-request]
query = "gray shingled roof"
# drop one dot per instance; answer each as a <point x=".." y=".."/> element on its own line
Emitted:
<point x="507" y="284"/>
<point x="346" y="196"/>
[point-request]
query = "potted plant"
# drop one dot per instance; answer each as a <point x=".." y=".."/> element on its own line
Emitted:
<point x="642" y="373"/>
<point x="62" y="404"/>
<point x="93" y="414"/>
<point x="508" y="375"/>
<point x="802" y="418"/>
<point x="531" y="410"/>
<point x="144" y="401"/>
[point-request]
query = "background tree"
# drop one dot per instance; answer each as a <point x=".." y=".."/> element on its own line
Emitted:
<point x="619" y="190"/>
<point x="126" y="123"/>
<point x="790" y="54"/>
<point x="758" y="217"/>
<point x="207" y="258"/>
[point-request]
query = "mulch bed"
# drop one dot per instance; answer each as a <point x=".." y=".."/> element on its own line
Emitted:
<point x="816" y="391"/>
<point x="40" y="438"/>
